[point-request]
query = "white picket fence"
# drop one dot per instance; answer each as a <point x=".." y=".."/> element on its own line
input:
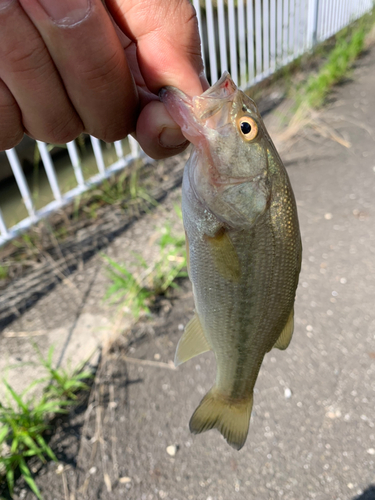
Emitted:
<point x="250" y="38"/>
<point x="254" y="38"/>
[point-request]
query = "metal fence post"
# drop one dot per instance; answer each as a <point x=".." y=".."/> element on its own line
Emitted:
<point x="21" y="182"/>
<point x="3" y="229"/>
<point x="312" y="23"/>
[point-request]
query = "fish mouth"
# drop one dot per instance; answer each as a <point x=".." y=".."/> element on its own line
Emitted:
<point x="201" y="117"/>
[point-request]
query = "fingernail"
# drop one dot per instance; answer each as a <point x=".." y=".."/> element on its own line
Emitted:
<point x="172" y="138"/>
<point x="5" y="3"/>
<point x="66" y="12"/>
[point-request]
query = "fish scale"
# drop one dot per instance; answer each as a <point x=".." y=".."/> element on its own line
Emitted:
<point x="244" y="249"/>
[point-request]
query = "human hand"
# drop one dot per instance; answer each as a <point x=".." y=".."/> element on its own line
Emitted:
<point x="66" y="68"/>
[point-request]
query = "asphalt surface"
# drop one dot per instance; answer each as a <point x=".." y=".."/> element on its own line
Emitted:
<point x="312" y="431"/>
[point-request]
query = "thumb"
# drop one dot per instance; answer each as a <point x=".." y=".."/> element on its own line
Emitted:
<point x="167" y="39"/>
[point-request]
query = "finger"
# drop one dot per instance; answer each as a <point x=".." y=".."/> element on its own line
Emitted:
<point x="11" y="128"/>
<point x="167" y="38"/>
<point x="84" y="46"/>
<point x="157" y="134"/>
<point x="28" y="72"/>
<point x="168" y="53"/>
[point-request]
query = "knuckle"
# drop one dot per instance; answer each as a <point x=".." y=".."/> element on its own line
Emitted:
<point x="101" y="77"/>
<point x="29" y="58"/>
<point x="11" y="128"/>
<point x="64" y="131"/>
<point x="10" y="141"/>
<point x="109" y="135"/>
<point x="112" y="132"/>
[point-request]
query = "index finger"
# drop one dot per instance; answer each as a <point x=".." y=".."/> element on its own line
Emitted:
<point x="81" y="39"/>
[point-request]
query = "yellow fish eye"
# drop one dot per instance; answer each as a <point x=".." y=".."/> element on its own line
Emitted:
<point x="248" y="128"/>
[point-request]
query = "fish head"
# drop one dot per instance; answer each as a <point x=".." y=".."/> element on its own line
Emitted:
<point x="229" y="167"/>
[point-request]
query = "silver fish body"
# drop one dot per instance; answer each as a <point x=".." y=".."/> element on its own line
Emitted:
<point x="244" y="249"/>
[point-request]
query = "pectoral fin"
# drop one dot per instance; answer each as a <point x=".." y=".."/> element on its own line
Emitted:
<point x="286" y="335"/>
<point x="225" y="256"/>
<point x="192" y="342"/>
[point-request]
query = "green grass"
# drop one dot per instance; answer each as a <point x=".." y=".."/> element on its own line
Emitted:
<point x="125" y="190"/>
<point x="29" y="242"/>
<point x="340" y="60"/>
<point x="137" y="291"/>
<point x="4" y="271"/>
<point x="62" y="384"/>
<point x="171" y="263"/>
<point x="109" y="192"/>
<point x="339" y="55"/>
<point x="24" y="419"/>
<point x="126" y="289"/>
<point x="22" y="425"/>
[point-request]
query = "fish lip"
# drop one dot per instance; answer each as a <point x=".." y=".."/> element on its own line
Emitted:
<point x="192" y="113"/>
<point x="164" y="93"/>
<point x="224" y="87"/>
<point x="180" y="107"/>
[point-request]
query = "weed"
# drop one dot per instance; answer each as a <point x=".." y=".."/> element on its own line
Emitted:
<point x="124" y="190"/>
<point x="138" y="291"/>
<point x="60" y="233"/>
<point x="339" y="62"/>
<point x="63" y="384"/>
<point x="138" y="195"/>
<point x="111" y="192"/>
<point x="30" y="243"/>
<point x="171" y="263"/>
<point x="349" y="44"/>
<point x="126" y="289"/>
<point x="4" y="271"/>
<point x="22" y="425"/>
<point x="312" y="94"/>
<point x="24" y="420"/>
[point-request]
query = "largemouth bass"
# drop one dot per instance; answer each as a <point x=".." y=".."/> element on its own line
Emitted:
<point x="244" y="248"/>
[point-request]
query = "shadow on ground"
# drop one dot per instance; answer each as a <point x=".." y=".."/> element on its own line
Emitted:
<point x="368" y="494"/>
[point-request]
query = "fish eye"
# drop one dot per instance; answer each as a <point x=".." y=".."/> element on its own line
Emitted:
<point x="248" y="128"/>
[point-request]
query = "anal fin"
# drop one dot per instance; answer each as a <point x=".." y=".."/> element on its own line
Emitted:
<point x="192" y="342"/>
<point x="286" y="335"/>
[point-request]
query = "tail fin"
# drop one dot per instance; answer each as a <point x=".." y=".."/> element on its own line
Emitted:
<point x="230" y="418"/>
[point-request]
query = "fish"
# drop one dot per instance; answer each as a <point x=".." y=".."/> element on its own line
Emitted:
<point x="243" y="248"/>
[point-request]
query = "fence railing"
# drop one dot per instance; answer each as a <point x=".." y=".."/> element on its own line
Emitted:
<point x="250" y="38"/>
